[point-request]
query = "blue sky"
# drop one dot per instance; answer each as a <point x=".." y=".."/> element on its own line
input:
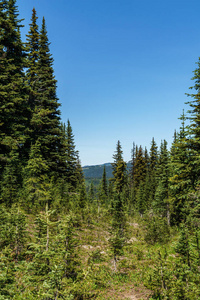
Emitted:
<point x="123" y="68"/>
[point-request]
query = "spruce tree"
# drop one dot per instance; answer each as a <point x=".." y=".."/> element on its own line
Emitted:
<point x="79" y="170"/>
<point x="32" y="48"/>
<point x="118" y="156"/>
<point x="133" y="156"/>
<point x="13" y="104"/>
<point x="194" y="128"/>
<point x="119" y="169"/>
<point x="118" y="228"/>
<point x="153" y="170"/>
<point x="182" y="174"/>
<point x="140" y="167"/>
<point x="161" y="203"/>
<point x="45" y="126"/>
<point x="35" y="178"/>
<point x="104" y="182"/>
<point x="71" y="158"/>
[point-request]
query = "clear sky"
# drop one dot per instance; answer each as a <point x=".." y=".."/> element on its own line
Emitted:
<point x="123" y="68"/>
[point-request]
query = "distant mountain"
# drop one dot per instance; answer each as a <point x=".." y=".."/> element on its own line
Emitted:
<point x="97" y="171"/>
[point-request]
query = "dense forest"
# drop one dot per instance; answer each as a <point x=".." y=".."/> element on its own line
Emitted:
<point x="135" y="236"/>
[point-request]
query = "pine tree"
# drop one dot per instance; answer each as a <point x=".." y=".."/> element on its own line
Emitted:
<point x="161" y="203"/>
<point x="11" y="179"/>
<point x="133" y="156"/>
<point x="32" y="48"/>
<point x="118" y="156"/>
<point x="79" y="171"/>
<point x="140" y="167"/>
<point x="35" y="177"/>
<point x="153" y="170"/>
<point x="118" y="230"/>
<point x="91" y="191"/>
<point x="119" y="169"/>
<point x="153" y="156"/>
<point x="181" y="180"/>
<point x="45" y="126"/>
<point x="104" y="183"/>
<point x="194" y="128"/>
<point x="13" y="105"/>
<point x="71" y="157"/>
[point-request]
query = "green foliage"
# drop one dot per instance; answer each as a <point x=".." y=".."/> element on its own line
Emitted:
<point x="119" y="169"/>
<point x="140" y="167"/>
<point x="118" y="230"/>
<point x="181" y="180"/>
<point x="58" y="249"/>
<point x="157" y="230"/>
<point x="13" y="104"/>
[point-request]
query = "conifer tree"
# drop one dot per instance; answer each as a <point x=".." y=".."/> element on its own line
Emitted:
<point x="153" y="163"/>
<point x="140" y="167"/>
<point x="119" y="169"/>
<point x="153" y="156"/>
<point x="161" y="203"/>
<point x="118" y="156"/>
<point x="13" y="104"/>
<point x="71" y="157"/>
<point x="181" y="180"/>
<point x="103" y="186"/>
<point x="118" y="228"/>
<point x="194" y="128"/>
<point x="45" y="115"/>
<point x="32" y="48"/>
<point x="79" y="170"/>
<point x="11" y="179"/>
<point x="104" y="182"/>
<point x="35" y="177"/>
<point x="91" y="191"/>
<point x="133" y="156"/>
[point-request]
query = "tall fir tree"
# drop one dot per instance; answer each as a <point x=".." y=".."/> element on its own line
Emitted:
<point x="71" y="158"/>
<point x="181" y="180"/>
<point x="104" y="184"/>
<point x="13" y="104"/>
<point x="118" y="156"/>
<point x="140" y="167"/>
<point x="161" y="203"/>
<point x="132" y="169"/>
<point x="119" y="169"/>
<point x="45" y="128"/>
<point x="153" y="170"/>
<point x="194" y="127"/>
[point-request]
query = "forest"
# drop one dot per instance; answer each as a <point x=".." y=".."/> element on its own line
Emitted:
<point x="135" y="236"/>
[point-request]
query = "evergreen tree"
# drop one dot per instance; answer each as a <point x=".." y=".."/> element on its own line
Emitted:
<point x="161" y="203"/>
<point x="32" y="48"/>
<point x="79" y="171"/>
<point x="35" y="177"/>
<point x="118" y="230"/>
<point x="103" y="187"/>
<point x="119" y="169"/>
<point x="118" y="156"/>
<point x="11" y="179"/>
<point x="91" y="191"/>
<point x="182" y="175"/>
<point x="140" y="167"/>
<point x="133" y="156"/>
<point x="153" y="163"/>
<point x="194" y="128"/>
<point x="71" y="157"/>
<point x="104" y="182"/>
<point x="13" y="104"/>
<point x="45" y="115"/>
<point x="153" y="157"/>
